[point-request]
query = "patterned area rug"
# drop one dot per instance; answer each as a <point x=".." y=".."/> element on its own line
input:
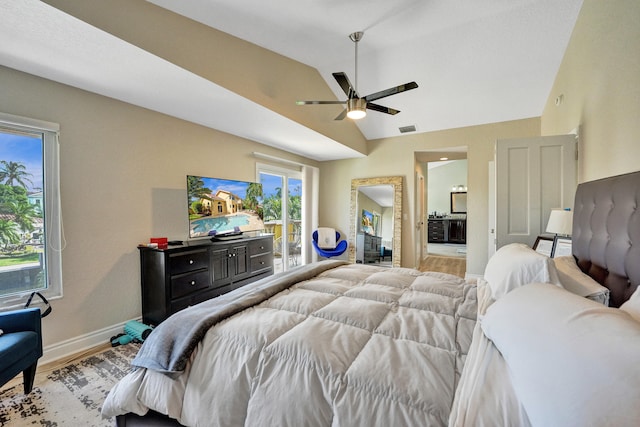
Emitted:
<point x="71" y="395"/>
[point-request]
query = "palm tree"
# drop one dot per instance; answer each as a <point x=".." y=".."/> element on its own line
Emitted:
<point x="24" y="215"/>
<point x="13" y="173"/>
<point x="8" y="233"/>
<point x="272" y="205"/>
<point x="196" y="189"/>
<point x="254" y="192"/>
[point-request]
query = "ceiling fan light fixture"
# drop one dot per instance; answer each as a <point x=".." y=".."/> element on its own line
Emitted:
<point x="356" y="108"/>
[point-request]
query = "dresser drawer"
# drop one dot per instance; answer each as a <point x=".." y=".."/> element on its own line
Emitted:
<point x="261" y="262"/>
<point x="182" y="262"/>
<point x="185" y="284"/>
<point x="191" y="300"/>
<point x="260" y="246"/>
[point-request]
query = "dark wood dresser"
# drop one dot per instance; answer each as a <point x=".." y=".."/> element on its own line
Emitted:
<point x="367" y="248"/>
<point x="181" y="276"/>
<point x="447" y="230"/>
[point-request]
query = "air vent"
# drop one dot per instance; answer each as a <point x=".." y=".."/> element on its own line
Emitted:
<point x="406" y="129"/>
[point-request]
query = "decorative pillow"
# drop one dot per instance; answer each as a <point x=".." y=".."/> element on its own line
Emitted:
<point x="575" y="281"/>
<point x="516" y="265"/>
<point x="632" y="305"/>
<point x="573" y="362"/>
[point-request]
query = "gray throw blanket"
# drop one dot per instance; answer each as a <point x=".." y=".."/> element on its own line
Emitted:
<point x="170" y="345"/>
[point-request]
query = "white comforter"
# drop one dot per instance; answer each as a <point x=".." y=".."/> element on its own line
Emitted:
<point x="356" y="345"/>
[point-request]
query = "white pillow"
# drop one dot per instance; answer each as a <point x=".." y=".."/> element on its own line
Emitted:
<point x="326" y="238"/>
<point x="484" y="296"/>
<point x="516" y="265"/>
<point x="574" y="280"/>
<point x="573" y="362"/>
<point x="632" y="305"/>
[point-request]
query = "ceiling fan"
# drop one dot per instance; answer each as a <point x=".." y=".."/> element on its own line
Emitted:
<point x="355" y="105"/>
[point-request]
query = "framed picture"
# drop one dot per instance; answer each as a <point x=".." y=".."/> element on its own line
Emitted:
<point x="561" y="246"/>
<point x="544" y="245"/>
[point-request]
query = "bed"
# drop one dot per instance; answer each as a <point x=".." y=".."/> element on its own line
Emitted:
<point x="536" y="341"/>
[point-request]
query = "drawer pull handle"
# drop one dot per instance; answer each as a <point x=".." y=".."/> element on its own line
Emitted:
<point x="190" y="261"/>
<point x="193" y="283"/>
<point x="261" y="262"/>
<point x="261" y="247"/>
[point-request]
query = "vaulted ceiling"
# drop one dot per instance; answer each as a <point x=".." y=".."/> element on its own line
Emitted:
<point x="474" y="62"/>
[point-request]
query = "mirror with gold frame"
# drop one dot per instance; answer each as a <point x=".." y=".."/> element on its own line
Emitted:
<point x="383" y="222"/>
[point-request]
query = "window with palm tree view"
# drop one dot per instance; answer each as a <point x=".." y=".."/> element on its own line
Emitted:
<point x="23" y="230"/>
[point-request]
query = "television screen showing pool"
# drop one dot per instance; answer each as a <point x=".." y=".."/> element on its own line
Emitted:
<point x="367" y="222"/>
<point x="219" y="207"/>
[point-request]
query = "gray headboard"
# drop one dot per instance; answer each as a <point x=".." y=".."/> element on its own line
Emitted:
<point x="606" y="233"/>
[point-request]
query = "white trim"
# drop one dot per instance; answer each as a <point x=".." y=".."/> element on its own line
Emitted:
<point x="81" y="343"/>
<point x="35" y="124"/>
<point x="271" y="158"/>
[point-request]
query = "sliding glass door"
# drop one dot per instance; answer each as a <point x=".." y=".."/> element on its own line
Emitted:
<point x="282" y="209"/>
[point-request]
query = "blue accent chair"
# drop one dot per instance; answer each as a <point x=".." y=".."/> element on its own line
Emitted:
<point x="20" y="345"/>
<point x="341" y="246"/>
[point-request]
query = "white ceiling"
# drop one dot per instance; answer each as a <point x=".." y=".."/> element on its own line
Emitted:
<point x="475" y="61"/>
<point x="381" y="194"/>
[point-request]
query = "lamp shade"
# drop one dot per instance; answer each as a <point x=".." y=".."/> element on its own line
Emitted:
<point x="560" y="222"/>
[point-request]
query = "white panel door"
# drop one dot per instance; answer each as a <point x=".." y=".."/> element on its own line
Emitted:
<point x="533" y="176"/>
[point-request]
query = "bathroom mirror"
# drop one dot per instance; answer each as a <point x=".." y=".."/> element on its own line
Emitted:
<point x="376" y="221"/>
<point x="458" y="202"/>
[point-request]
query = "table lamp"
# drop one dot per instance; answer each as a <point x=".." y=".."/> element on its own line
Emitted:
<point x="560" y="222"/>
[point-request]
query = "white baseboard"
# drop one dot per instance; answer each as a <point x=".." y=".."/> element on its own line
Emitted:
<point x="81" y="343"/>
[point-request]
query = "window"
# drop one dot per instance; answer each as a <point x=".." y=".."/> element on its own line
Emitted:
<point x="30" y="219"/>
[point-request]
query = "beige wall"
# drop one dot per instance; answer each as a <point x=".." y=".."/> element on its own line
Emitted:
<point x="441" y="180"/>
<point x="395" y="156"/>
<point x="123" y="180"/>
<point x="600" y="82"/>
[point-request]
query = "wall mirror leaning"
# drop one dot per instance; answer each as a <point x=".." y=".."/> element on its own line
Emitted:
<point x="376" y="221"/>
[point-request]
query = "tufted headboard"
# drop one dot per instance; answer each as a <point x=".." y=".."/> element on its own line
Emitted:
<point x="606" y="233"/>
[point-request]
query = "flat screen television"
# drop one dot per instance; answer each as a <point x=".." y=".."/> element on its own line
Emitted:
<point x="223" y="207"/>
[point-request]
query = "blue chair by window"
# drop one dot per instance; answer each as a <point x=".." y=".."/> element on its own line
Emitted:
<point x="320" y="243"/>
<point x="20" y="345"/>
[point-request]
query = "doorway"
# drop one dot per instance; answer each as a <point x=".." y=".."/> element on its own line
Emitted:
<point x="282" y="212"/>
<point x="444" y="198"/>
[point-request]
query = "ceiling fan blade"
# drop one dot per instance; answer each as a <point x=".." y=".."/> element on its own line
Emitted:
<point x="342" y="115"/>
<point x="345" y="84"/>
<point x="319" y="102"/>
<point x="382" y="109"/>
<point x="391" y="91"/>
